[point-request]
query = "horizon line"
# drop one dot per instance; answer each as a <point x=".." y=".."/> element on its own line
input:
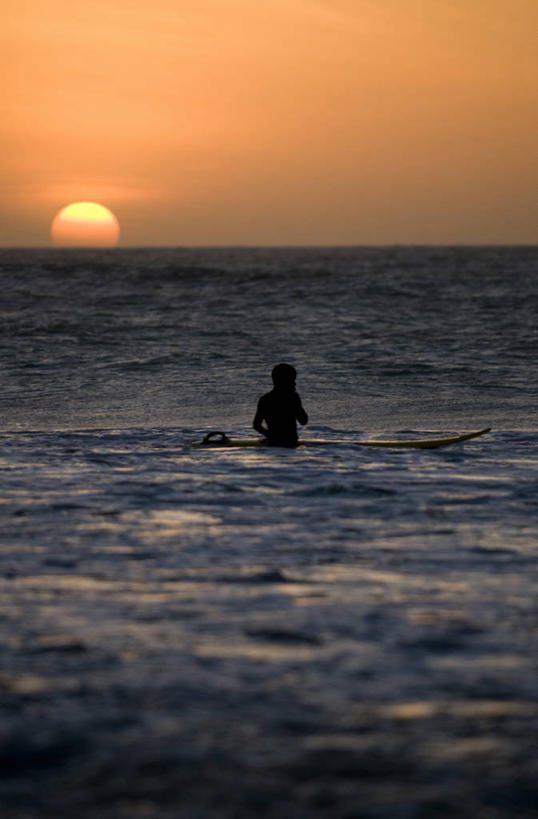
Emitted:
<point x="286" y="246"/>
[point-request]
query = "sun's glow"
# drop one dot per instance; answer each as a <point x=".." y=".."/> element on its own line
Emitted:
<point x="293" y="122"/>
<point x="85" y="224"/>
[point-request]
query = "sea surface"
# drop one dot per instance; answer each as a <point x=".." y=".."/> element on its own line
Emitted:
<point x="331" y="633"/>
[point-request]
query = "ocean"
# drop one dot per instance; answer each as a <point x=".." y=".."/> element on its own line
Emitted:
<point x="332" y="633"/>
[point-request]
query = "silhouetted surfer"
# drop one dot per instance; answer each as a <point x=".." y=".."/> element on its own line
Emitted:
<point x="280" y="409"/>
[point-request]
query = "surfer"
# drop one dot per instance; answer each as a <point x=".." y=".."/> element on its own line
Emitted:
<point x="280" y="409"/>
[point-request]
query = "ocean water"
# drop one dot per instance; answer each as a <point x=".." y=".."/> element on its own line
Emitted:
<point x="332" y="633"/>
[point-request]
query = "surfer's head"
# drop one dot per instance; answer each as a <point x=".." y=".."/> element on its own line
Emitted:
<point x="284" y="376"/>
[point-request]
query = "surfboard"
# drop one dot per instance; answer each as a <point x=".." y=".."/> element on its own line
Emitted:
<point x="219" y="439"/>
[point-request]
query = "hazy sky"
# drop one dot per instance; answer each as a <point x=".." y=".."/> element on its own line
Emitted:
<point x="281" y="122"/>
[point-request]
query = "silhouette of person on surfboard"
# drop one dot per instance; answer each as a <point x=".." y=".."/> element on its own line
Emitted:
<point x="280" y="409"/>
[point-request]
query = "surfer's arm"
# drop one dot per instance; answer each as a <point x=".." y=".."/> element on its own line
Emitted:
<point x="300" y="413"/>
<point x="258" y="421"/>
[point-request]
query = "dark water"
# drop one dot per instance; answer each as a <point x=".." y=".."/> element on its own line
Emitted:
<point x="340" y="633"/>
<point x="382" y="338"/>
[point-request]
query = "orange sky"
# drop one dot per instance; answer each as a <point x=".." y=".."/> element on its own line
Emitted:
<point x="204" y="122"/>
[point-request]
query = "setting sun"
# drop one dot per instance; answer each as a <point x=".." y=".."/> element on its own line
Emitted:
<point x="85" y="224"/>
